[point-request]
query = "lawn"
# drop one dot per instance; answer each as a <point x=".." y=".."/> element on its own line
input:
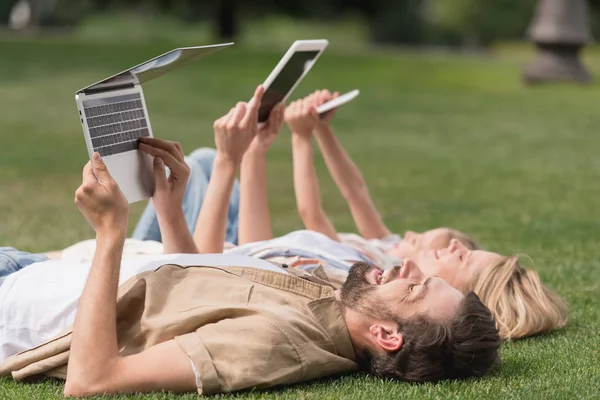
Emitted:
<point x="442" y="140"/>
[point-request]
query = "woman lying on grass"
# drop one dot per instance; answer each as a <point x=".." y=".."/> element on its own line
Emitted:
<point x="522" y="305"/>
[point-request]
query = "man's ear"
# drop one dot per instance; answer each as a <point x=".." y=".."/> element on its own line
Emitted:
<point x="386" y="336"/>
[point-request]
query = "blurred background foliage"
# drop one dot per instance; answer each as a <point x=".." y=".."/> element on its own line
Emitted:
<point x="451" y="23"/>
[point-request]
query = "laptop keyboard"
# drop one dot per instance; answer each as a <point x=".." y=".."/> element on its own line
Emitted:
<point x="116" y="123"/>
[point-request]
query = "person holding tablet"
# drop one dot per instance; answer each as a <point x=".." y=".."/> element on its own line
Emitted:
<point x="177" y="327"/>
<point x="522" y="305"/>
<point x="529" y="310"/>
<point x="490" y="277"/>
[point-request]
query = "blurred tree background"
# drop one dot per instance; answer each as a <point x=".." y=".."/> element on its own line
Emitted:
<point x="459" y="23"/>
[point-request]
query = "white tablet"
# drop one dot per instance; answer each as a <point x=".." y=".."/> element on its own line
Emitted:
<point x="338" y="101"/>
<point x="288" y="73"/>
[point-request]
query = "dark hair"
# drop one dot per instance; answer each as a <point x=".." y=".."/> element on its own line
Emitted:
<point x="432" y="351"/>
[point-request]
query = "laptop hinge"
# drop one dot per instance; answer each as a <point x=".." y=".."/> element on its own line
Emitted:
<point x="109" y="88"/>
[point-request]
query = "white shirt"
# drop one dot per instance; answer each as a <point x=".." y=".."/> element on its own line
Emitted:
<point x="39" y="301"/>
<point x="376" y="249"/>
<point x="306" y="244"/>
<point x="303" y="244"/>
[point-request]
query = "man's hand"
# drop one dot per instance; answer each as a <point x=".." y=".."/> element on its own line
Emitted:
<point x="302" y="117"/>
<point x="268" y="133"/>
<point x="168" y="193"/>
<point x="101" y="201"/>
<point x="235" y="131"/>
<point x="95" y="365"/>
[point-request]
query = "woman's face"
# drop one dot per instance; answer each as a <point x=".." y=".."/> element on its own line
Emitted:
<point x="456" y="264"/>
<point x="413" y="242"/>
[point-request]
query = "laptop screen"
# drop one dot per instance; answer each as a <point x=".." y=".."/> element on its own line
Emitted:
<point x="156" y="66"/>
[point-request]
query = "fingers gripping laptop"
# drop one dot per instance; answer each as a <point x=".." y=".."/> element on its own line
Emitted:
<point x="114" y="116"/>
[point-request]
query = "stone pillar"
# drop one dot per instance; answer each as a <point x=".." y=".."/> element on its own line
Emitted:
<point x="559" y="29"/>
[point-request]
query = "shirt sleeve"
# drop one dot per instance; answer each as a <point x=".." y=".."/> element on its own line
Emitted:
<point x="241" y="353"/>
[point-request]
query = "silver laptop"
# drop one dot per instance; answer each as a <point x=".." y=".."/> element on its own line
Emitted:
<point x="114" y="116"/>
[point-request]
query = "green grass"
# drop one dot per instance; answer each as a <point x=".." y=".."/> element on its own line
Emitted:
<point x="441" y="140"/>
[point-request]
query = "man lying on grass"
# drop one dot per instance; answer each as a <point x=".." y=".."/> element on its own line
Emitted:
<point x="221" y="323"/>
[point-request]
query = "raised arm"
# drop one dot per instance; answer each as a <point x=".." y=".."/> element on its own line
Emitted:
<point x="95" y="365"/>
<point x="168" y="194"/>
<point x="254" y="219"/>
<point x="233" y="134"/>
<point x="301" y="118"/>
<point x="348" y="178"/>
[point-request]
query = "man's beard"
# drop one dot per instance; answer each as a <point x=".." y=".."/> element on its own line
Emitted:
<point x="359" y="295"/>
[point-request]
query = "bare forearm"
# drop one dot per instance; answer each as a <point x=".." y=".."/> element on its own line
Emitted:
<point x="255" y="221"/>
<point x="211" y="226"/>
<point x="352" y="185"/>
<point x="344" y="172"/>
<point x="94" y="347"/>
<point x="95" y="365"/>
<point x="306" y="188"/>
<point x="176" y="237"/>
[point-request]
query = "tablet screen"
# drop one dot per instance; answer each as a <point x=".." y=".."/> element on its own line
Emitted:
<point x="283" y="83"/>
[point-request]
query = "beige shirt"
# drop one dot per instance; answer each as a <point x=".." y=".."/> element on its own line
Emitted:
<point x="242" y="328"/>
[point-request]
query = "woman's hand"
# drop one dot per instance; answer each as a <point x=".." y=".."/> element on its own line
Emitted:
<point x="237" y="129"/>
<point x="322" y="97"/>
<point x="302" y="116"/>
<point x="268" y="133"/>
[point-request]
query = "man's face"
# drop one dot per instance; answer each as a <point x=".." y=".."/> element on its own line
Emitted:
<point x="399" y="293"/>
<point x="456" y="264"/>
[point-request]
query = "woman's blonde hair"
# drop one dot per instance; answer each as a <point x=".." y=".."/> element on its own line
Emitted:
<point x="521" y="304"/>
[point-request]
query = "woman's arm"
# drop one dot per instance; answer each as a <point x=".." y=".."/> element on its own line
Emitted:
<point x="254" y="219"/>
<point x="233" y="134"/>
<point x="301" y="118"/>
<point x="211" y="226"/>
<point x="348" y="178"/>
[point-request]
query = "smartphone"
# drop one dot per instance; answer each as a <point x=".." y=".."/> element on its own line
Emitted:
<point x="338" y="101"/>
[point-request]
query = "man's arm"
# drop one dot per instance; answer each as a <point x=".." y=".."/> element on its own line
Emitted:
<point x="168" y="194"/>
<point x="301" y="118"/>
<point x="233" y="134"/>
<point x="95" y="365"/>
<point x="254" y="219"/>
<point x="349" y="179"/>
